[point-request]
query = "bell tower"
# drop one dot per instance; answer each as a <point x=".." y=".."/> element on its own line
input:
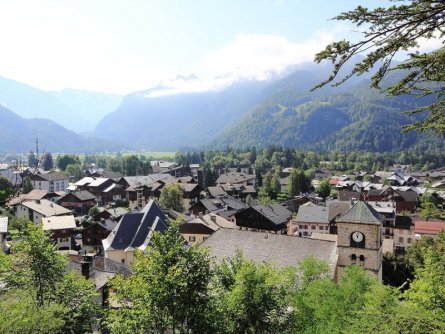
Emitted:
<point x="359" y="239"/>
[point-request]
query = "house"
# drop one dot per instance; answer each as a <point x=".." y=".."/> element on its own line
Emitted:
<point x="107" y="191"/>
<point x="236" y="178"/>
<point x="294" y="203"/>
<point x="216" y="191"/>
<point x="312" y="219"/>
<point x="239" y="190"/>
<point x="78" y="201"/>
<point x="197" y="229"/>
<point x="133" y="232"/>
<point x="220" y="204"/>
<point x="271" y="218"/>
<point x="62" y="229"/>
<point x="36" y="194"/>
<point x="345" y="195"/>
<point x="405" y="200"/>
<point x="439" y="185"/>
<point x="111" y="214"/>
<point x="280" y="250"/>
<point x="400" y="178"/>
<point x="52" y="181"/>
<point x="430" y="228"/>
<point x="93" y="235"/>
<point x="335" y="210"/>
<point x="35" y="210"/>
<point x="101" y="172"/>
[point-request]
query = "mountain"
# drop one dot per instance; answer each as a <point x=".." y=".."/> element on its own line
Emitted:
<point x="172" y="122"/>
<point x="73" y="109"/>
<point x="18" y="134"/>
<point x="280" y="111"/>
<point x="89" y="106"/>
<point x="354" y="118"/>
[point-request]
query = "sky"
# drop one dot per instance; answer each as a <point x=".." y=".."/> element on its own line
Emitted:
<point x="118" y="46"/>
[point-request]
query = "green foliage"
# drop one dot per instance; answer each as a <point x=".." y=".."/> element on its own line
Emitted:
<point x="20" y="314"/>
<point x="171" y="197"/>
<point x="64" y="160"/>
<point x="74" y="171"/>
<point x="388" y="31"/>
<point x="168" y="290"/>
<point x="47" y="161"/>
<point x="6" y="189"/>
<point x="94" y="210"/>
<point x="27" y="186"/>
<point x="32" y="159"/>
<point x="38" y="285"/>
<point x="298" y="183"/>
<point x="324" y="189"/>
<point x="428" y="208"/>
<point x="257" y="299"/>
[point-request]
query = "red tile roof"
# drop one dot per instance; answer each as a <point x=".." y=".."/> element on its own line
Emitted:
<point x="429" y="227"/>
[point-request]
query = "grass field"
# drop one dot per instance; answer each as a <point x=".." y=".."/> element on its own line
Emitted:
<point x="152" y="155"/>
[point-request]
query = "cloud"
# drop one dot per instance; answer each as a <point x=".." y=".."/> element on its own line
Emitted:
<point x="248" y="57"/>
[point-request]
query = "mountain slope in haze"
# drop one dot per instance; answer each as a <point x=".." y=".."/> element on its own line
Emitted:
<point x="73" y="109"/>
<point x="354" y="119"/>
<point x="178" y="121"/>
<point x="91" y="106"/>
<point x="18" y="135"/>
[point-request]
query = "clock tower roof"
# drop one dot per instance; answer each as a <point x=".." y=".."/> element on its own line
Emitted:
<point x="362" y="213"/>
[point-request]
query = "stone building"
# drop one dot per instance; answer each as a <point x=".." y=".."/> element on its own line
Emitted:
<point x="359" y="239"/>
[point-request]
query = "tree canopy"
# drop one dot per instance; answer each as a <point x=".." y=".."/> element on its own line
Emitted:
<point x="387" y="31"/>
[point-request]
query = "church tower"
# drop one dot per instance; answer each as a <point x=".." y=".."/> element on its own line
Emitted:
<point x="360" y="240"/>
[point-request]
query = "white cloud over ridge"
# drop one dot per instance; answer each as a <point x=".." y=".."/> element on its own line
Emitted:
<point x="248" y="57"/>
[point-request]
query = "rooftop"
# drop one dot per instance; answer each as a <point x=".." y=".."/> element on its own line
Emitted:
<point x="279" y="249"/>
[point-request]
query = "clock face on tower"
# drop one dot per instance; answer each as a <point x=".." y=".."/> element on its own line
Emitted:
<point x="357" y="236"/>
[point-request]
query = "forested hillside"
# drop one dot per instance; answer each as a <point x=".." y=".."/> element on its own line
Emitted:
<point x="356" y="119"/>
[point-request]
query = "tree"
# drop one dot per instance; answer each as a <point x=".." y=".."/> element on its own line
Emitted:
<point x="74" y="171"/>
<point x="324" y="189"/>
<point x="171" y="198"/>
<point x="168" y="291"/>
<point x="64" y="160"/>
<point x="27" y="186"/>
<point x="388" y="31"/>
<point x="6" y="189"/>
<point x="256" y="296"/>
<point x="35" y="274"/>
<point x="47" y="161"/>
<point x="32" y="159"/>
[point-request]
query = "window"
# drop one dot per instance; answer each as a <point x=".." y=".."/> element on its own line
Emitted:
<point x="321" y="227"/>
<point x="313" y="227"/>
<point x="305" y="234"/>
<point x="362" y="258"/>
<point x="401" y="240"/>
<point x="353" y="257"/>
<point x="123" y="261"/>
<point x="410" y="240"/>
<point x="204" y="238"/>
<point x="192" y="238"/>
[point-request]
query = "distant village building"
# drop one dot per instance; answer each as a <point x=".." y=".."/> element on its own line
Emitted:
<point x="35" y="210"/>
<point x="62" y="230"/>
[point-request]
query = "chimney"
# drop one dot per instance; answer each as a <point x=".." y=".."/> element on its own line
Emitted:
<point x="213" y="217"/>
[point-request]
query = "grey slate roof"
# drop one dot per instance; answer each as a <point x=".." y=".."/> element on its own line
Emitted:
<point x="216" y="191"/>
<point x="234" y="177"/>
<point x="83" y="195"/>
<point x="337" y="208"/>
<point x="276" y="213"/>
<point x="361" y="212"/>
<point x="312" y="214"/>
<point x="282" y="250"/>
<point x="135" y="229"/>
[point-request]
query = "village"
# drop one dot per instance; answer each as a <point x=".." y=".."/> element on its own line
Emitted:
<point x="104" y="218"/>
